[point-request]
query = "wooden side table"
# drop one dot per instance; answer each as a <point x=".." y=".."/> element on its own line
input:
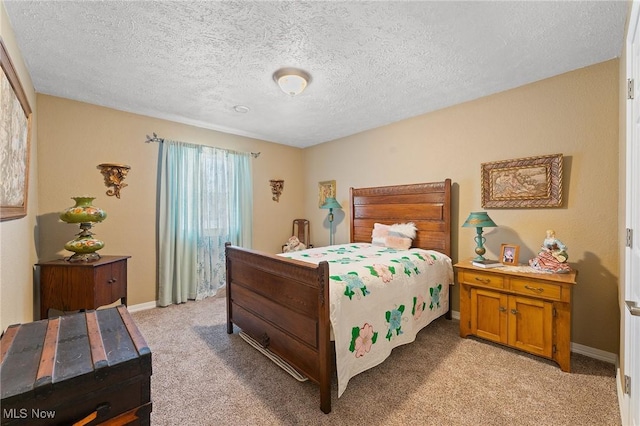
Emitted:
<point x="69" y="286"/>
<point x="526" y="311"/>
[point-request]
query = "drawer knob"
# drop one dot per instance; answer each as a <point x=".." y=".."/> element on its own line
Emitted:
<point x="112" y="280"/>
<point x="536" y="289"/>
<point x="503" y="309"/>
<point x="514" y="311"/>
<point x="483" y="280"/>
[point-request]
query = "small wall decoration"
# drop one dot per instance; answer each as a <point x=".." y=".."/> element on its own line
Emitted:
<point x="15" y="138"/>
<point x="114" y="175"/>
<point x="509" y="254"/>
<point x="277" y="185"/>
<point x="326" y="189"/>
<point x="531" y="182"/>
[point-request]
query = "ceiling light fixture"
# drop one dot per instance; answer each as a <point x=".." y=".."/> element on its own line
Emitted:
<point x="292" y="81"/>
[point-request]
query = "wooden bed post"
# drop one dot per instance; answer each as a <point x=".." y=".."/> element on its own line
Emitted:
<point x="324" y="338"/>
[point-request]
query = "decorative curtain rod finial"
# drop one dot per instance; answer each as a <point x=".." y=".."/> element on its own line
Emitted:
<point x="155" y="138"/>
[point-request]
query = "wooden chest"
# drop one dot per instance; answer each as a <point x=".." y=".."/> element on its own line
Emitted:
<point x="88" y="368"/>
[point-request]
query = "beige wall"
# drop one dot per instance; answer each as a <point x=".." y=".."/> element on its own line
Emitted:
<point x="17" y="237"/>
<point x="76" y="137"/>
<point x="575" y="114"/>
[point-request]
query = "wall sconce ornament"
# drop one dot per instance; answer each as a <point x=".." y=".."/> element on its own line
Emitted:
<point x="277" y="185"/>
<point x="114" y="175"/>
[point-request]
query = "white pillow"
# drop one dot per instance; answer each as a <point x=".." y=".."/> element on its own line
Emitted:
<point x="407" y="230"/>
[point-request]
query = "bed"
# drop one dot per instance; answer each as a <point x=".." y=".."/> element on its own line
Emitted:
<point x="284" y="303"/>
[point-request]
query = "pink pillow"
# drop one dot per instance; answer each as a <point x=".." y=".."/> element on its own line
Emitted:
<point x="379" y="234"/>
<point x="399" y="243"/>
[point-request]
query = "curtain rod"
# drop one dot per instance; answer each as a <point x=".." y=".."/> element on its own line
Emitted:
<point x="155" y="138"/>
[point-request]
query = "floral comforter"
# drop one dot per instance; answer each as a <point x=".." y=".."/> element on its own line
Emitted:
<point x="380" y="299"/>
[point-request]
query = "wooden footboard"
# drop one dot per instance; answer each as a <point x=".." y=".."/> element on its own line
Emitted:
<point x="284" y="305"/>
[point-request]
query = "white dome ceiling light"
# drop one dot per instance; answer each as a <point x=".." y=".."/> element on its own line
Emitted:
<point x="292" y="81"/>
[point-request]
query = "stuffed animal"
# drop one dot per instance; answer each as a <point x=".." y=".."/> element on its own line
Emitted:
<point x="293" y="244"/>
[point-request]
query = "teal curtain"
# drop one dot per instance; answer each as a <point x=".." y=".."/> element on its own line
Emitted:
<point x="206" y="199"/>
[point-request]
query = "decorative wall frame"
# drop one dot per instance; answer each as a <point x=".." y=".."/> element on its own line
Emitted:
<point x="326" y="189"/>
<point x="509" y="254"/>
<point x="15" y="141"/>
<point x="531" y="182"/>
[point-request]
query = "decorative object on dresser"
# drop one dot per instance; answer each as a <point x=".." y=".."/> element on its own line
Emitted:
<point x="81" y="369"/>
<point x="509" y="254"/>
<point x="277" y="185"/>
<point x="330" y="203"/>
<point x="523" y="182"/>
<point x="84" y="245"/>
<point x="114" y="175"/>
<point x="529" y="311"/>
<point x="552" y="256"/>
<point x="69" y="286"/>
<point x="479" y="220"/>
<point x="487" y="263"/>
<point x="15" y="141"/>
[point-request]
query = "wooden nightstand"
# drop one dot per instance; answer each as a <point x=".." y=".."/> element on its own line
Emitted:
<point x="526" y="311"/>
<point x="68" y="286"/>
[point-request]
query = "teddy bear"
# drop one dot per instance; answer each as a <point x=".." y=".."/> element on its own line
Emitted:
<point x="293" y="244"/>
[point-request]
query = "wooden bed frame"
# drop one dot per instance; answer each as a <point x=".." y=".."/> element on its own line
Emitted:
<point x="283" y="303"/>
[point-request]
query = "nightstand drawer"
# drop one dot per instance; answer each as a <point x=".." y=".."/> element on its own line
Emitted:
<point x="534" y="288"/>
<point x="482" y="279"/>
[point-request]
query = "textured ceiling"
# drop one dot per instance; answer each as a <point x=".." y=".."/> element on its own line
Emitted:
<point x="372" y="63"/>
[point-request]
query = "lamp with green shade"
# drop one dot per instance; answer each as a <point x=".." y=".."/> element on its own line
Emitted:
<point x="479" y="220"/>
<point x="330" y="203"/>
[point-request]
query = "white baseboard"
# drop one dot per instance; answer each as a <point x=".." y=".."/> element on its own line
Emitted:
<point x="142" y="306"/>
<point x="577" y="348"/>
<point x="605" y="356"/>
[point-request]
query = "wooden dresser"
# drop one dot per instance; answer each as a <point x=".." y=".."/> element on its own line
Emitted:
<point x="68" y="286"/>
<point x="91" y="368"/>
<point x="526" y="311"/>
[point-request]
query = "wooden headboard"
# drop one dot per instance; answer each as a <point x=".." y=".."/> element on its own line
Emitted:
<point x="428" y="205"/>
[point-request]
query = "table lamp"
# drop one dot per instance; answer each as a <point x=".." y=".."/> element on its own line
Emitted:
<point x="479" y="220"/>
<point x="84" y="246"/>
<point x="330" y="203"/>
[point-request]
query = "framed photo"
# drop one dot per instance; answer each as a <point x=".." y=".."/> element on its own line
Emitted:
<point x="509" y="254"/>
<point x="15" y="134"/>
<point x="326" y="189"/>
<point x="531" y="182"/>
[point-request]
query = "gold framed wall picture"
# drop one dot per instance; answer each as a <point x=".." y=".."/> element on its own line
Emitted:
<point x="509" y="254"/>
<point x="15" y="134"/>
<point x="531" y="182"/>
<point x="326" y="189"/>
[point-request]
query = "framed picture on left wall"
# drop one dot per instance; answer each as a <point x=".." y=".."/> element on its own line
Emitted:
<point x="15" y="139"/>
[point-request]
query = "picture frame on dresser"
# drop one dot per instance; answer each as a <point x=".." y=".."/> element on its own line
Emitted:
<point x="15" y="141"/>
<point x="509" y="254"/>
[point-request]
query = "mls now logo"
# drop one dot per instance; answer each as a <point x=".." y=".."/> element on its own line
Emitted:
<point x="23" y="413"/>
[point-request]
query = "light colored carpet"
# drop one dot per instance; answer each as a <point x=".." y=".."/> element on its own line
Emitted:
<point x="204" y="376"/>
